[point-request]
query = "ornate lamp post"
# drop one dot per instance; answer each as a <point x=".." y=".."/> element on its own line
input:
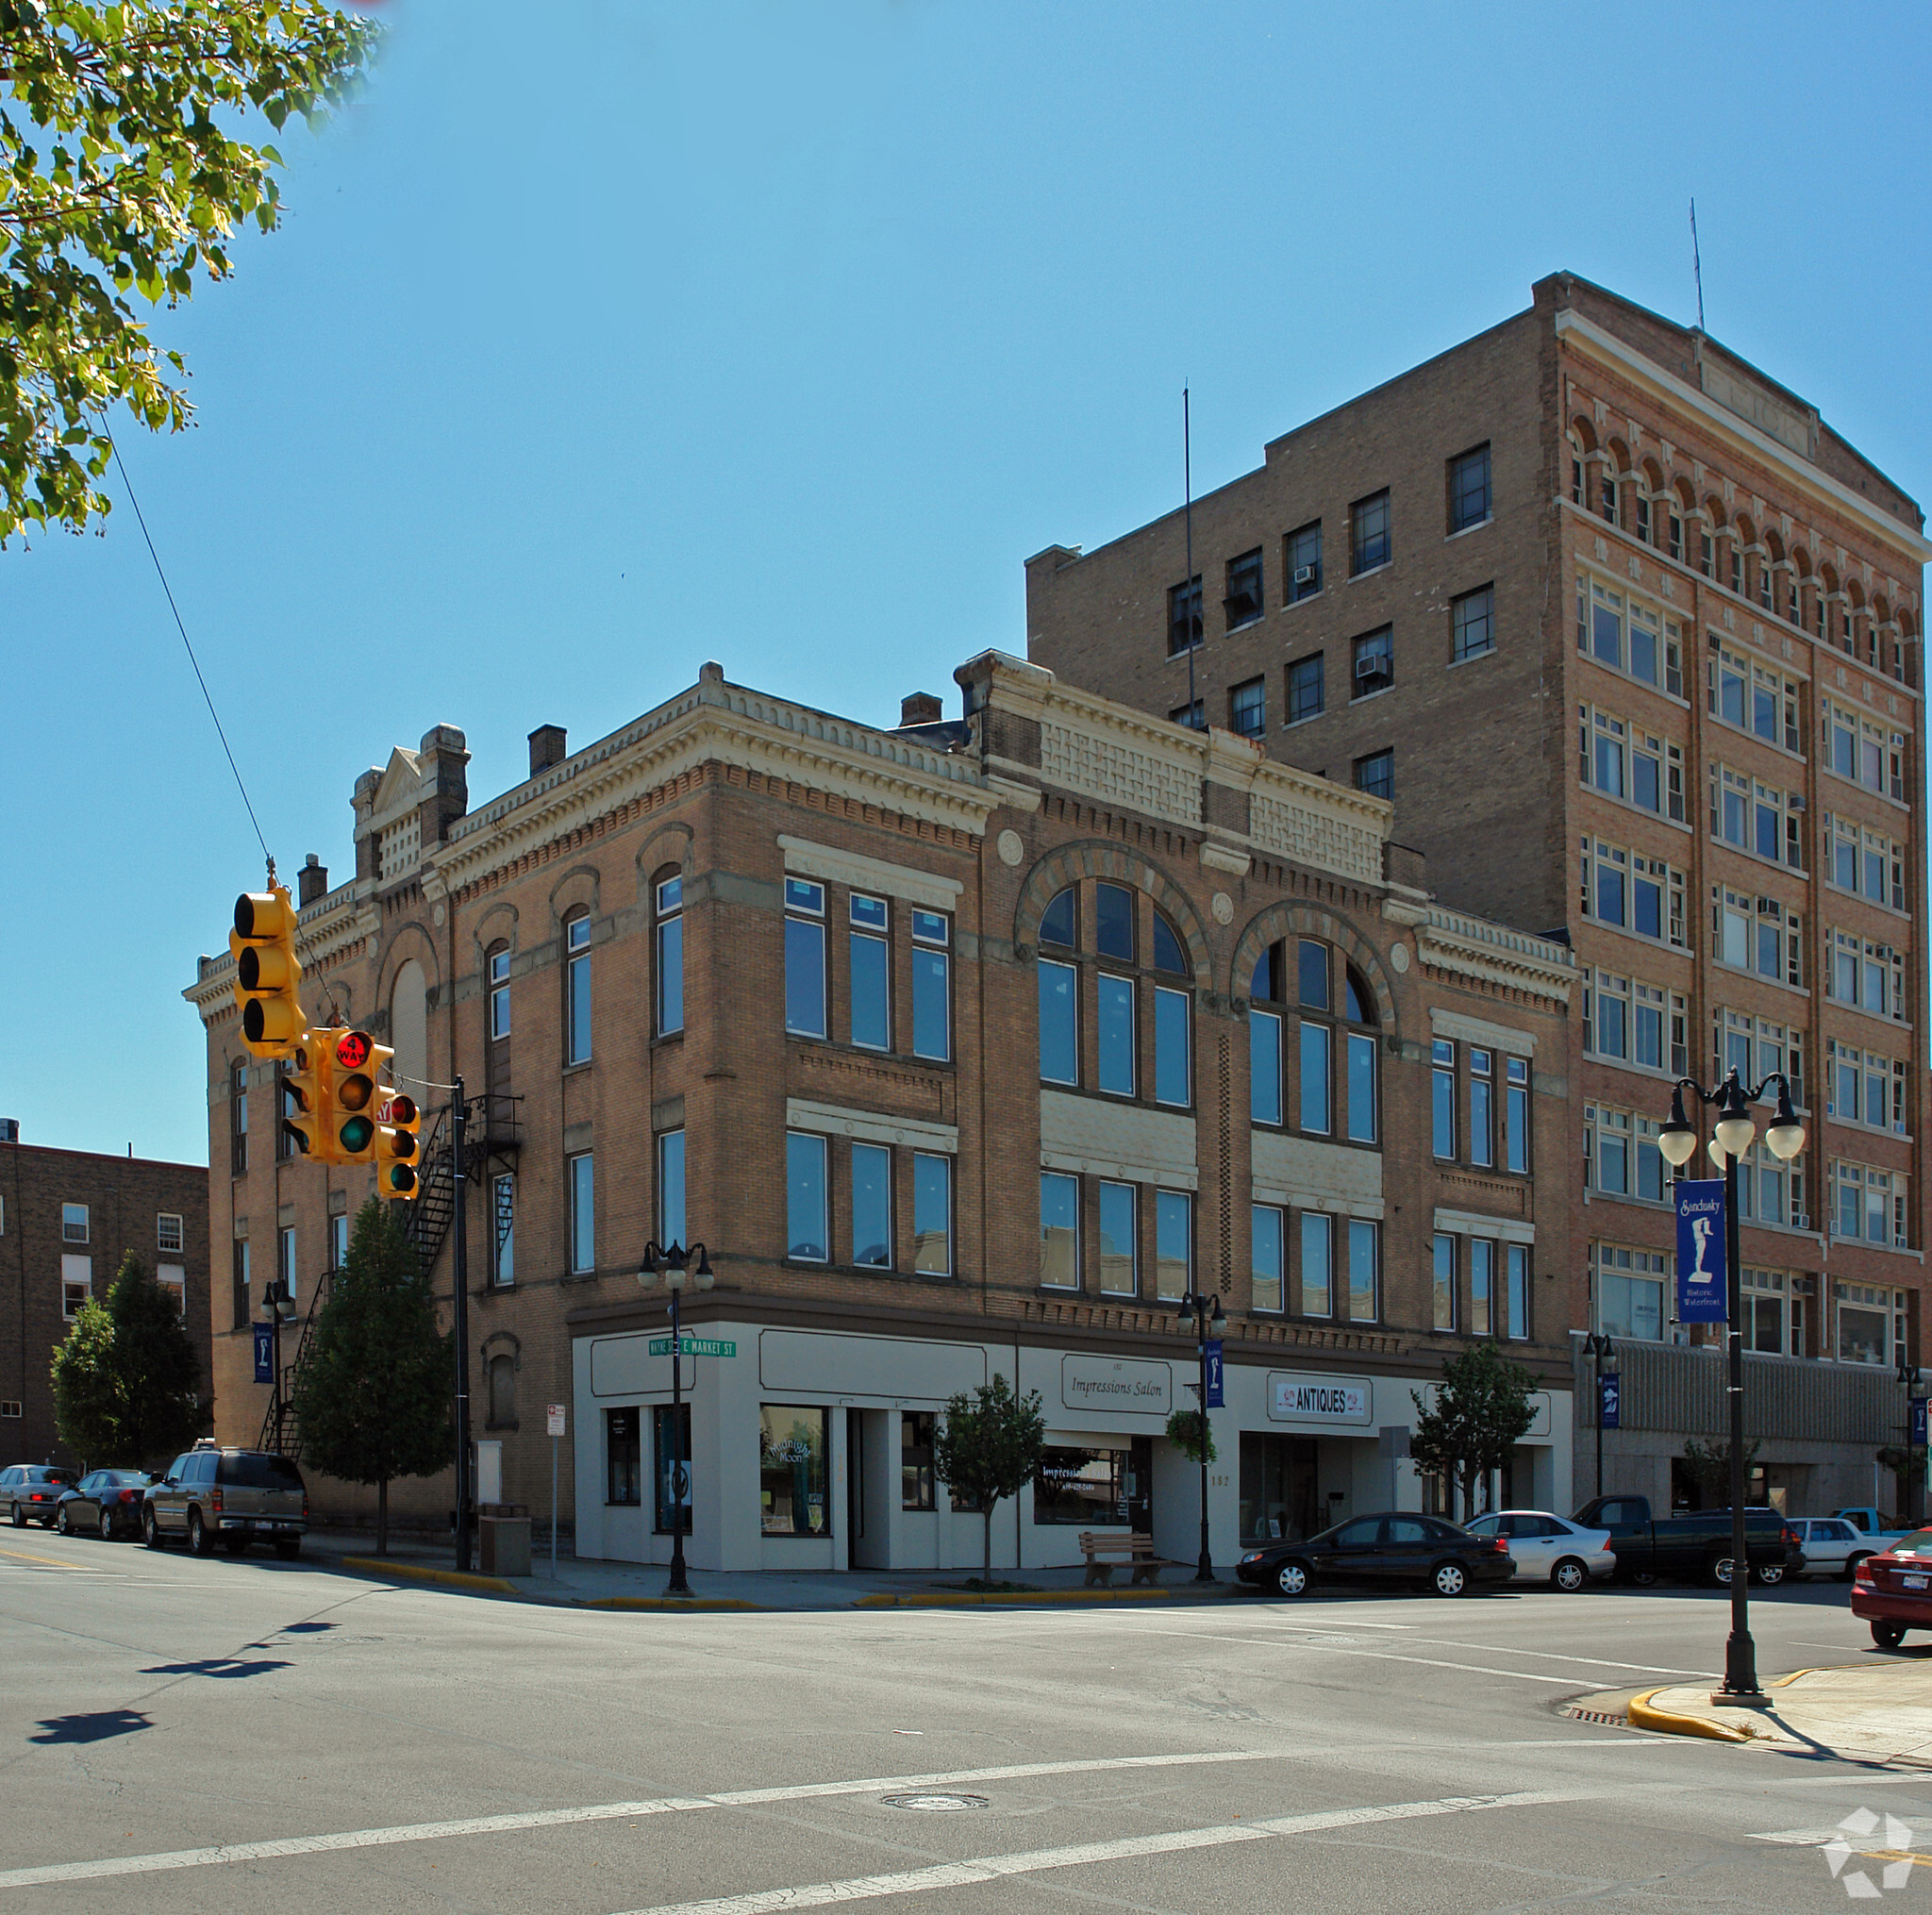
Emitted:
<point x="671" y="1262"/>
<point x="1732" y="1132"/>
<point x="1605" y="1352"/>
<point x="1203" y="1314"/>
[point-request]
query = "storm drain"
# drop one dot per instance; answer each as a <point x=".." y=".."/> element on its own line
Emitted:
<point x="935" y="1803"/>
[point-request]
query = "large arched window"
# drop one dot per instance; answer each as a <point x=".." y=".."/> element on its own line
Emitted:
<point x="408" y="1026"/>
<point x="1311" y="1042"/>
<point x="668" y="897"/>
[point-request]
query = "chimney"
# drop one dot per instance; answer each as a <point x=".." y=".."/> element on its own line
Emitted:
<point x="547" y="748"/>
<point x="313" y="880"/>
<point x="921" y="708"/>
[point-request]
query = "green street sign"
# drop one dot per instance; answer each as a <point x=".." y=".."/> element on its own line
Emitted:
<point x="693" y="1346"/>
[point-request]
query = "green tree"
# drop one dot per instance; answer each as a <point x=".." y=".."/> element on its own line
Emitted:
<point x="1482" y="1410"/>
<point x="128" y="1381"/>
<point x="121" y="173"/>
<point x="1711" y="1468"/>
<point x="373" y="1396"/>
<point x="987" y="1445"/>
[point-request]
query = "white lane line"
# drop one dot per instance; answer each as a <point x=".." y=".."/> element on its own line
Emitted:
<point x="992" y="1868"/>
<point x="598" y="1811"/>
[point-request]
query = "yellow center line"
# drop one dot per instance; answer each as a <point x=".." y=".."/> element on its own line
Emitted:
<point x="51" y="1561"/>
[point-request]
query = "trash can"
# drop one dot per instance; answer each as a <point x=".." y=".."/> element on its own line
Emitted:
<point x="505" y="1532"/>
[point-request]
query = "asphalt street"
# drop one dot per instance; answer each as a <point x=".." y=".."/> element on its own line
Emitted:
<point x="217" y="1735"/>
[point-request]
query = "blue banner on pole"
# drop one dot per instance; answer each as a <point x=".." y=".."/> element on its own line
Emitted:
<point x="265" y="1353"/>
<point x="1918" y="1437"/>
<point x="1609" y="1402"/>
<point x="1212" y="1366"/>
<point x="1701" y="1273"/>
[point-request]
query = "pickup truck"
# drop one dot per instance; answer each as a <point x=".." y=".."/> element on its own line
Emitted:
<point x="1696" y="1545"/>
<point x="1872" y="1525"/>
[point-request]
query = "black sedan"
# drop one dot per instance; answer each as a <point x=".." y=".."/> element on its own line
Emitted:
<point x="1398" y="1547"/>
<point x="105" y="1502"/>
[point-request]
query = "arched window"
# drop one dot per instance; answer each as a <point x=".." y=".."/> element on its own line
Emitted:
<point x="409" y="1026"/>
<point x="1311" y="1008"/>
<point x="576" y="988"/>
<point x="668" y="896"/>
<point x="497" y="963"/>
<point x="503" y="1392"/>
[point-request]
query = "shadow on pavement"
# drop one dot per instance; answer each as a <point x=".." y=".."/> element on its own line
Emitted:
<point x="94" y="1728"/>
<point x="222" y="1666"/>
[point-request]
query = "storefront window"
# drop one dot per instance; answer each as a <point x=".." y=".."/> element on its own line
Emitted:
<point x="1104" y="1487"/>
<point x="621" y="1455"/>
<point x="663" y="1453"/>
<point x="792" y="1446"/>
<point x="915" y="1459"/>
<point x="1278" y="1499"/>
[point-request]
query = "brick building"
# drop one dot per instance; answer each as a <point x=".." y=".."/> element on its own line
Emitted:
<point x="965" y="1047"/>
<point x="1630" y="637"/>
<point x="68" y="1217"/>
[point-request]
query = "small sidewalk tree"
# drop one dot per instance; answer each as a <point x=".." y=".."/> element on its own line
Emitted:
<point x="988" y="1444"/>
<point x="1482" y="1411"/>
<point x="373" y="1398"/>
<point x="126" y="1380"/>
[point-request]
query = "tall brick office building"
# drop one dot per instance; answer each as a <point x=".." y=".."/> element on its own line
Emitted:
<point x="1631" y="638"/>
<point x="965" y="1047"/>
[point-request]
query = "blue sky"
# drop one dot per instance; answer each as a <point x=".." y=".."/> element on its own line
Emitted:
<point x="606" y="337"/>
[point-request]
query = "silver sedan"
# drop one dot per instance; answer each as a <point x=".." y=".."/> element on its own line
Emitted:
<point x="1550" y="1549"/>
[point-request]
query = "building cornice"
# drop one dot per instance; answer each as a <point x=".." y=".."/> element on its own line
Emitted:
<point x="1464" y="946"/>
<point x="1593" y="342"/>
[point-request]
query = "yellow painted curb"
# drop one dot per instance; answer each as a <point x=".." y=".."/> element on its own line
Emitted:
<point x="1786" y="1681"/>
<point x="416" y="1573"/>
<point x="946" y="1599"/>
<point x="666" y="1603"/>
<point x="1669" y="1723"/>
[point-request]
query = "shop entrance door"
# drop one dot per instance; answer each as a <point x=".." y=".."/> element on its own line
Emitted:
<point x="1139" y="1487"/>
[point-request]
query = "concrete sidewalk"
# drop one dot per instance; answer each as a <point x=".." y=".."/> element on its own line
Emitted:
<point x="1878" y="1711"/>
<point x="586" y="1584"/>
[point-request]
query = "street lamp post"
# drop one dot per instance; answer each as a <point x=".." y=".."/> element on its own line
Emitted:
<point x="1908" y="1375"/>
<point x="671" y="1262"/>
<point x="1205" y="1316"/>
<point x="1732" y="1132"/>
<point x="1605" y="1354"/>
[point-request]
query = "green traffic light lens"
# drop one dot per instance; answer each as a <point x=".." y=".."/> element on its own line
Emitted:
<point x="357" y="1133"/>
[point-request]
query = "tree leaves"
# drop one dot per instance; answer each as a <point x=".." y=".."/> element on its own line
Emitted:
<point x="116" y="177"/>
<point x="126" y="1380"/>
<point x="1482" y="1410"/>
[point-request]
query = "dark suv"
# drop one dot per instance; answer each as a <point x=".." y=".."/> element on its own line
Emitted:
<point x="242" y="1496"/>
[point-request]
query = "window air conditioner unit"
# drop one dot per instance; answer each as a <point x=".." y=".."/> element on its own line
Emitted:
<point x="1794" y="801"/>
<point x="1305" y="575"/>
<point x="1372" y="668"/>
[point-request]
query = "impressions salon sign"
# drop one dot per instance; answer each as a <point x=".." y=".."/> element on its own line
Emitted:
<point x="1319" y="1399"/>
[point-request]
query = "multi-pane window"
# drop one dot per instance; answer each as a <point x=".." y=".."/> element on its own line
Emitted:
<point x="77" y="1282"/>
<point x="1862" y="1087"/>
<point x="499" y="993"/>
<point x="1245" y="601"/>
<point x="1757" y="1049"/>
<point x="1754" y="933"/>
<point x="1316" y="1264"/>
<point x="583" y="1212"/>
<point x="1247" y="708"/>
<point x="1629" y="637"/>
<point x="1469" y="489"/>
<point x="1607" y="1018"/>
<point x="1472" y="625"/>
<point x="1304" y="689"/>
<point x="1658" y="1031"/>
<point x="1868" y="754"/>
<point x="871" y="1206"/>
<point x="1362" y="1118"/>
<point x="932" y="986"/>
<point x="1367" y="533"/>
<point x="1869" y="1201"/>
<point x="1623" y="760"/>
<point x="1482" y="1107"/>
<point x="806" y="1236"/>
<point x="671" y="1221"/>
<point x="1516" y="1116"/>
<point x="1173" y="1244"/>
<point x="503" y="1234"/>
<point x="932" y="1213"/>
<point x="1060" y="1043"/>
<point x="1629" y="1291"/>
<point x="1762" y="818"/>
<point x="74" y="1223"/>
<point x="1443" y="1281"/>
<point x="1634" y="893"/>
<point x="1866" y="862"/>
<point x="916" y="1431"/>
<point x="1643" y="517"/>
<point x="1375" y="774"/>
<point x="870" y="964"/>
<point x="1114" y="1036"/>
<point x="1869" y="974"/>
<point x="1482" y="1286"/>
<point x="1183" y="616"/>
<point x="167" y="1230"/>
<point x="1516" y="1304"/>
<point x="1268" y="1241"/>
<point x="1676" y="537"/>
<point x="1621" y="1153"/>
<point x="1172" y="1065"/>
<point x="1364" y="1271"/>
<point x="1872" y="1324"/>
<point x="1119" y="1210"/>
<point x="1304" y="562"/>
<point x="1442" y="1098"/>
<point x="1318" y="1040"/>
<point x="1374" y="662"/>
<point x="805" y="958"/>
<point x="670" y="932"/>
<point x="577" y="991"/>
<point x="1264" y="1066"/>
<point x="1060" y="1230"/>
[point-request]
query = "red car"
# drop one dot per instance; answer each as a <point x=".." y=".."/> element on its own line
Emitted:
<point x="1892" y="1590"/>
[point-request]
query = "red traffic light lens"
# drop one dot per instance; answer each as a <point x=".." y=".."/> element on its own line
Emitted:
<point x="352" y="1048"/>
<point x="401" y="1109"/>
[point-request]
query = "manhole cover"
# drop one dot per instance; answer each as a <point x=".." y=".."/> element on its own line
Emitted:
<point x="935" y="1803"/>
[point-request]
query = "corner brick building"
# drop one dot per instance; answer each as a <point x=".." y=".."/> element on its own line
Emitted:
<point x="965" y="1046"/>
<point x="68" y="1219"/>
<point x="1631" y="640"/>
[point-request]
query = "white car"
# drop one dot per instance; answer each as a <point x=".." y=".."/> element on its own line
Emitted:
<point x="1550" y="1549"/>
<point x="1833" y="1546"/>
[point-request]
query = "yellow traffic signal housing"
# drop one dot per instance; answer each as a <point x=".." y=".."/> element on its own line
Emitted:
<point x="268" y="975"/>
<point x="352" y="1058"/>
<point x="305" y="1081"/>
<point x="396" y="1144"/>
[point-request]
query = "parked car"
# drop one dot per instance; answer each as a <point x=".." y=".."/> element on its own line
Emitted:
<point x="1695" y="1543"/>
<point x="1399" y="1546"/>
<point x="1892" y="1590"/>
<point x="32" y="1491"/>
<point x="1877" y="1529"/>
<point x="106" y="1502"/>
<point x="1550" y="1549"/>
<point x="242" y="1496"/>
<point x="1833" y="1546"/>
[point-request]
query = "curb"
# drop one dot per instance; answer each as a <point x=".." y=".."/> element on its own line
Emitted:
<point x="1642" y="1716"/>
<point x="665" y="1603"/>
<point x="416" y="1573"/>
<point x="1015" y="1599"/>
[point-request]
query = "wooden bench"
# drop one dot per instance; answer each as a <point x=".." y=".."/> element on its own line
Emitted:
<point x="1104" y="1548"/>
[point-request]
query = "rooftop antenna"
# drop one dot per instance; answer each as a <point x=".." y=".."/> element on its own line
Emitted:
<point x="1696" y="264"/>
<point x="1188" y="596"/>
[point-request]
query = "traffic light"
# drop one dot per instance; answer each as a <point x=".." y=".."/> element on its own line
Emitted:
<point x="305" y="1081"/>
<point x="352" y="1059"/>
<point x="396" y="1174"/>
<point x="268" y="975"/>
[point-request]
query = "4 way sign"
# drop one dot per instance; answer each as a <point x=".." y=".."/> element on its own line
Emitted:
<point x="692" y="1346"/>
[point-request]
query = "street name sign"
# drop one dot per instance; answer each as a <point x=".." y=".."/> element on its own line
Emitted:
<point x="692" y="1346"/>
